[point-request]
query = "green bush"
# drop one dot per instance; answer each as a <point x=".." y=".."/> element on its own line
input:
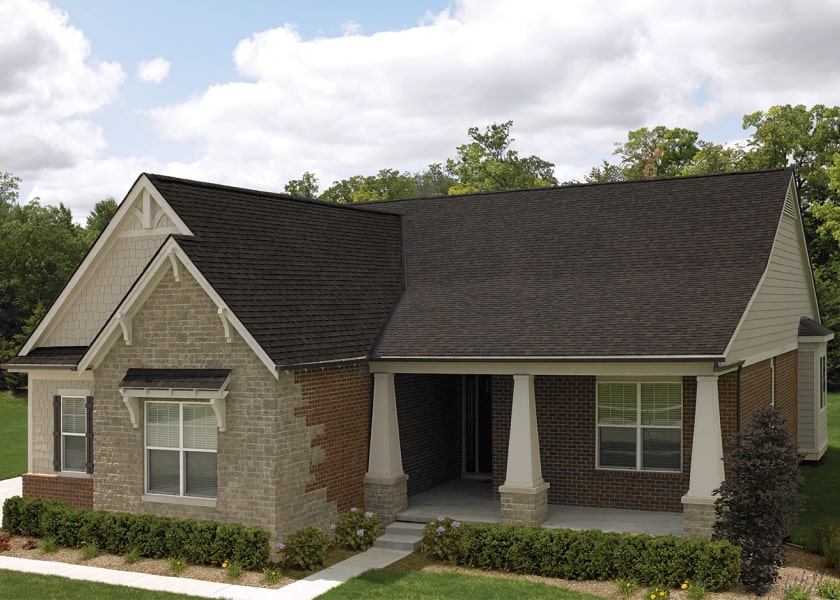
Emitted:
<point x="828" y="543"/>
<point x="592" y="554"/>
<point x="442" y="539"/>
<point x="307" y="548"/>
<point x="357" y="529"/>
<point x="150" y="536"/>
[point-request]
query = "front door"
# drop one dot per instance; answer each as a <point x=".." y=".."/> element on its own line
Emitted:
<point x="478" y="427"/>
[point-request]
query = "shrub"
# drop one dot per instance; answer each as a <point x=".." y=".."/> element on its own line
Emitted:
<point x="271" y="575"/>
<point x="760" y="499"/>
<point x="827" y="535"/>
<point x="90" y="550"/>
<point x="177" y="565"/>
<point x="829" y="588"/>
<point x="658" y="592"/>
<point x="357" y="529"/>
<point x="150" y="536"/>
<point x="579" y="555"/>
<point x="307" y="548"/>
<point x="442" y="539"/>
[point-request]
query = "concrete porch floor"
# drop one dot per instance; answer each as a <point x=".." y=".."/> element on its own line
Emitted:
<point x="470" y="501"/>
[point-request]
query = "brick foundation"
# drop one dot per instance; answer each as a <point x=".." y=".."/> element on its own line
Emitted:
<point x="75" y="491"/>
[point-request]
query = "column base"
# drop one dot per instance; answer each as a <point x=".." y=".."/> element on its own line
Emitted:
<point x="523" y="505"/>
<point x="699" y="517"/>
<point x="386" y="496"/>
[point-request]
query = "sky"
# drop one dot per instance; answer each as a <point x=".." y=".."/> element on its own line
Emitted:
<point x="256" y="92"/>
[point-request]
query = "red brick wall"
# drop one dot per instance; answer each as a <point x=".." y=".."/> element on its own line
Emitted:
<point x="787" y="391"/>
<point x="429" y="414"/>
<point x="756" y="389"/>
<point x="566" y="420"/>
<point x="339" y="398"/>
<point x="75" y="491"/>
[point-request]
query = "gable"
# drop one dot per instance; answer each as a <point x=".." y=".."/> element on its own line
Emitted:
<point x="770" y="325"/>
<point x="141" y="224"/>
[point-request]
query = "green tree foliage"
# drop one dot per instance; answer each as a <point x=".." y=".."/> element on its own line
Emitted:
<point x="489" y="164"/>
<point x="759" y="499"/>
<point x="714" y="158"/>
<point x="605" y="173"/>
<point x="305" y="187"/>
<point x="657" y="152"/>
<point x="99" y="217"/>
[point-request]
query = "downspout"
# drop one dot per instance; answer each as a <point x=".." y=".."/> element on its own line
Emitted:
<point x="738" y="400"/>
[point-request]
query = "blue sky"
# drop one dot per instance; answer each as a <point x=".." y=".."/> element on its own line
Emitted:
<point x="255" y="93"/>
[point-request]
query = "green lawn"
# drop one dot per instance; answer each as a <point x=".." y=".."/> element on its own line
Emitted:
<point x="822" y="482"/>
<point x="388" y="583"/>
<point x="12" y="436"/>
<point x="29" y="586"/>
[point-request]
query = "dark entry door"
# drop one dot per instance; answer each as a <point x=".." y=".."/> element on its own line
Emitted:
<point x="478" y="426"/>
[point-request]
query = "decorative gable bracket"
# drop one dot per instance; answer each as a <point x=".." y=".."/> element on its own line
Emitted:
<point x="125" y="324"/>
<point x="216" y="398"/>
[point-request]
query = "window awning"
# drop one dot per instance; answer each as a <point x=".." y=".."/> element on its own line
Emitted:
<point x="175" y="384"/>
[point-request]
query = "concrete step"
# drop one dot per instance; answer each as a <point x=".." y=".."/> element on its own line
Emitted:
<point x="401" y="536"/>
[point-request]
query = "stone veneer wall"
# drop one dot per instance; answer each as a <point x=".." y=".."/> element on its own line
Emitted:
<point x="264" y="456"/>
<point x="75" y="491"/>
<point x="429" y="415"/>
<point x="566" y="422"/>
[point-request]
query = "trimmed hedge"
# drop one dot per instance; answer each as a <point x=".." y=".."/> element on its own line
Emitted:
<point x="592" y="554"/>
<point x="198" y="542"/>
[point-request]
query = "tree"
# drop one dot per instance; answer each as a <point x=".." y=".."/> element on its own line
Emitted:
<point x="489" y="164"/>
<point x="759" y="499"/>
<point x="714" y="158"/>
<point x="99" y="217"/>
<point x="434" y="181"/>
<point x="605" y="173"/>
<point x="657" y="152"/>
<point x="9" y="190"/>
<point x="305" y="187"/>
<point x="806" y="139"/>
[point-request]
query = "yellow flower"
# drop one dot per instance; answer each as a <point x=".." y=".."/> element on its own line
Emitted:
<point x="661" y="593"/>
<point x="224" y="565"/>
<point x="684" y="586"/>
<point x="653" y="597"/>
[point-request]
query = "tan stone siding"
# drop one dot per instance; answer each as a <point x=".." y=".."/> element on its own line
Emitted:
<point x="264" y="456"/>
<point x="92" y="306"/>
<point x="74" y="491"/>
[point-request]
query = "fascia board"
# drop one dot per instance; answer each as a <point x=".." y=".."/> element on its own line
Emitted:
<point x="141" y="292"/>
<point x="98" y="250"/>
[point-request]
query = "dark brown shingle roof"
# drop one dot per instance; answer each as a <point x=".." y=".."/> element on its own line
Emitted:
<point x="808" y="327"/>
<point x="650" y="268"/>
<point x="312" y="282"/>
<point x="199" y="379"/>
<point x="50" y="357"/>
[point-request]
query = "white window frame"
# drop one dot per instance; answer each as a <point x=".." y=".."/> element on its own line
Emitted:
<point x="66" y="434"/>
<point x="639" y="428"/>
<point x="181" y="449"/>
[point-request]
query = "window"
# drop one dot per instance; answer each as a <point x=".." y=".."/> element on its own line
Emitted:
<point x="823" y="382"/>
<point x="73" y="436"/>
<point x="640" y="426"/>
<point x="181" y="449"/>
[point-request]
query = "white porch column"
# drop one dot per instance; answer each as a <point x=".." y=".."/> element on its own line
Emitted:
<point x="385" y="483"/>
<point x="524" y="495"/>
<point x="385" y="459"/>
<point x="706" y="460"/>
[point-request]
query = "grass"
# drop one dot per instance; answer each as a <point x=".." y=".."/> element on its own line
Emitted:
<point x="390" y="583"/>
<point x="822" y="483"/>
<point x="13" y="436"/>
<point x="29" y="586"/>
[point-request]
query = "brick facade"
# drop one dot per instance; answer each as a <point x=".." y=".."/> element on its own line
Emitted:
<point x="429" y="413"/>
<point x="75" y="491"/>
<point x="337" y="402"/>
<point x="566" y="421"/>
<point x="272" y="469"/>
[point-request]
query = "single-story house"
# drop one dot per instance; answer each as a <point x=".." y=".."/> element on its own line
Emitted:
<point x="246" y="356"/>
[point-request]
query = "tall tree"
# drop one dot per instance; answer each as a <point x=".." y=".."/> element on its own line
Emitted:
<point x="305" y="187"/>
<point x="714" y="158"/>
<point x="657" y="152"/>
<point x="99" y="217"/>
<point x="488" y="164"/>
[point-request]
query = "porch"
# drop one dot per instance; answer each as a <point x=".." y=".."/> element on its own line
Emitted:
<point x="470" y="501"/>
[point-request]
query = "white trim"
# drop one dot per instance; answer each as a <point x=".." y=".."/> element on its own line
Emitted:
<point x="56" y="374"/>
<point x="87" y="268"/>
<point x="768" y="354"/>
<point x="144" y="288"/>
<point x="182" y="500"/>
<point x="581" y="358"/>
<point x="634" y="370"/>
<point x="217" y="399"/>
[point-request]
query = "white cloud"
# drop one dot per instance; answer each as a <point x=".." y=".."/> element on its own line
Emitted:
<point x="574" y="78"/>
<point x="48" y="89"/>
<point x="153" y="71"/>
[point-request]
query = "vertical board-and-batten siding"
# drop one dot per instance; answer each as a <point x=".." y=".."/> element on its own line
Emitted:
<point x="785" y="295"/>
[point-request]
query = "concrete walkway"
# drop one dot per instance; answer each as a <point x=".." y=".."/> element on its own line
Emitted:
<point x="307" y="588"/>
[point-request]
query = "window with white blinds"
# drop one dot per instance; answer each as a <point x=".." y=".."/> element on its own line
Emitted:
<point x="181" y="442"/>
<point x="74" y="434"/>
<point x="639" y="426"/>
